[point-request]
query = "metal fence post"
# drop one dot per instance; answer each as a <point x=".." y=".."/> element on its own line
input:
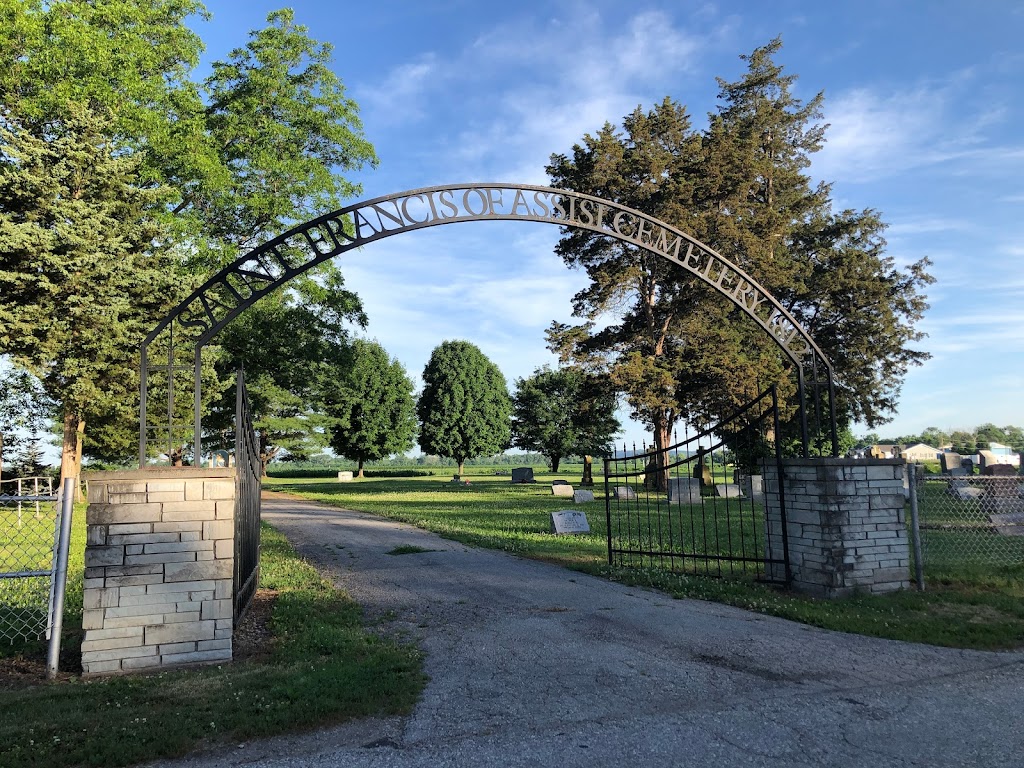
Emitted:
<point x="60" y="577"/>
<point x="915" y="526"/>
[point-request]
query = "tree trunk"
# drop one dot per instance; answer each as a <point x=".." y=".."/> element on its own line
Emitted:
<point x="554" y="462"/>
<point x="69" y="446"/>
<point x="662" y="442"/>
<point x="360" y="468"/>
<point x="462" y="466"/>
<point x="79" y="447"/>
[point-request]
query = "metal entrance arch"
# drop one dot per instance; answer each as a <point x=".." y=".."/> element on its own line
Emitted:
<point x="198" y="319"/>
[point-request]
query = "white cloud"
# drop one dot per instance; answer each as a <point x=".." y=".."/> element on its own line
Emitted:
<point x="399" y="97"/>
<point x="544" y="85"/>
<point x="877" y="133"/>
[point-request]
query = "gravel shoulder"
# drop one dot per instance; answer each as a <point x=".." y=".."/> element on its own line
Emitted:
<point x="531" y="664"/>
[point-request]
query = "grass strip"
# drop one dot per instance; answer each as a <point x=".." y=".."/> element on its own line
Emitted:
<point x="964" y="606"/>
<point x="322" y="667"/>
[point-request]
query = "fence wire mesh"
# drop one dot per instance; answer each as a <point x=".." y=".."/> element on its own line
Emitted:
<point x="971" y="522"/>
<point x="28" y="529"/>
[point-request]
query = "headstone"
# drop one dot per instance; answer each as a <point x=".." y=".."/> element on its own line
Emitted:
<point x="684" y="490"/>
<point x="650" y="476"/>
<point x="588" y="472"/>
<point x="523" y="475"/>
<point x="702" y="472"/>
<point x="999" y="470"/>
<point x="949" y="461"/>
<point x="567" y="521"/>
<point x="728" y="491"/>
<point x="560" y="482"/>
<point x="753" y="486"/>
<point x="1002" y="493"/>
<point x="1011" y="524"/>
<point x="988" y="459"/>
<point x="624" y="493"/>
<point x="967" y="465"/>
<point x="581" y="497"/>
<point x="344" y="477"/>
<point x="562" y="489"/>
<point x="966" y="493"/>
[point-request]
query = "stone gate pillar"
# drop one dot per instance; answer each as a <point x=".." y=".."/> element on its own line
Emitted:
<point x="159" y="569"/>
<point x="845" y="522"/>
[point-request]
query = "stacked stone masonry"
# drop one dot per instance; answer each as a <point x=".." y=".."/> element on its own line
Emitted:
<point x="846" y="524"/>
<point x="159" y="569"/>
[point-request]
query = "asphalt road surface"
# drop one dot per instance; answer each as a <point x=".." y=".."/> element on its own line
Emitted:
<point x="534" y="665"/>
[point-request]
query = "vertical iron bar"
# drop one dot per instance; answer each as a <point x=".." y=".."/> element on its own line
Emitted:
<point x="832" y="412"/>
<point x="608" y="505"/>
<point x="915" y="526"/>
<point x="143" y="386"/>
<point x="802" y="397"/>
<point x="714" y="510"/>
<point x="170" y="392"/>
<point x="782" y="490"/>
<point x="817" y="402"/>
<point x="67" y="506"/>
<point x="669" y="505"/>
<point x="197" y="437"/>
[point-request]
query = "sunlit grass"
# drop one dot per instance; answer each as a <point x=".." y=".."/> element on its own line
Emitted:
<point x="964" y="607"/>
<point x="322" y="666"/>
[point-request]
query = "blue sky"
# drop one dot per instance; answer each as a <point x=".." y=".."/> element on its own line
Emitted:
<point x="925" y="102"/>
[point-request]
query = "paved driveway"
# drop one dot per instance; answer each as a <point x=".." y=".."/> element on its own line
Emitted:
<point x="534" y="665"/>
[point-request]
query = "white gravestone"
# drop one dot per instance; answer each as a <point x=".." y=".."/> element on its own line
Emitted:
<point x="561" y="489"/>
<point x="624" y="493"/>
<point x="581" y="497"/>
<point x="569" y="521"/>
<point x="753" y="486"/>
<point x="344" y="477"/>
<point x="728" y="491"/>
<point x="684" y="490"/>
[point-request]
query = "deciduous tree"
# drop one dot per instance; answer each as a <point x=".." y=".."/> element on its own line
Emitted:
<point x="289" y="349"/>
<point x="563" y="412"/>
<point x="464" y="409"/>
<point x="372" y="406"/>
<point x="214" y="167"/>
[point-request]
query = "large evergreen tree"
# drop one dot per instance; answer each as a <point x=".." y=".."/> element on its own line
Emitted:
<point x="759" y="208"/>
<point x="563" y="412"/>
<point x="372" y="406"/>
<point x="464" y="409"/>
<point x="677" y="348"/>
<point x="82" y="271"/>
<point x="649" y="166"/>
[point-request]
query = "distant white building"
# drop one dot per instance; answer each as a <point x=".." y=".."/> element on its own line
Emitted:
<point x="919" y="452"/>
<point x="1005" y="454"/>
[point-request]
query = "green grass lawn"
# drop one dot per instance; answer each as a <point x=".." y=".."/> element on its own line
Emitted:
<point x="962" y="607"/>
<point x="322" y="666"/>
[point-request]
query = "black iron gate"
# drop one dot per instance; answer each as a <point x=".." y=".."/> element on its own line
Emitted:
<point x="247" y="509"/>
<point x="699" y="506"/>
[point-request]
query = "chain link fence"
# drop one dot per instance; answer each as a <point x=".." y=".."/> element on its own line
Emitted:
<point x="29" y="524"/>
<point x="970" y="524"/>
